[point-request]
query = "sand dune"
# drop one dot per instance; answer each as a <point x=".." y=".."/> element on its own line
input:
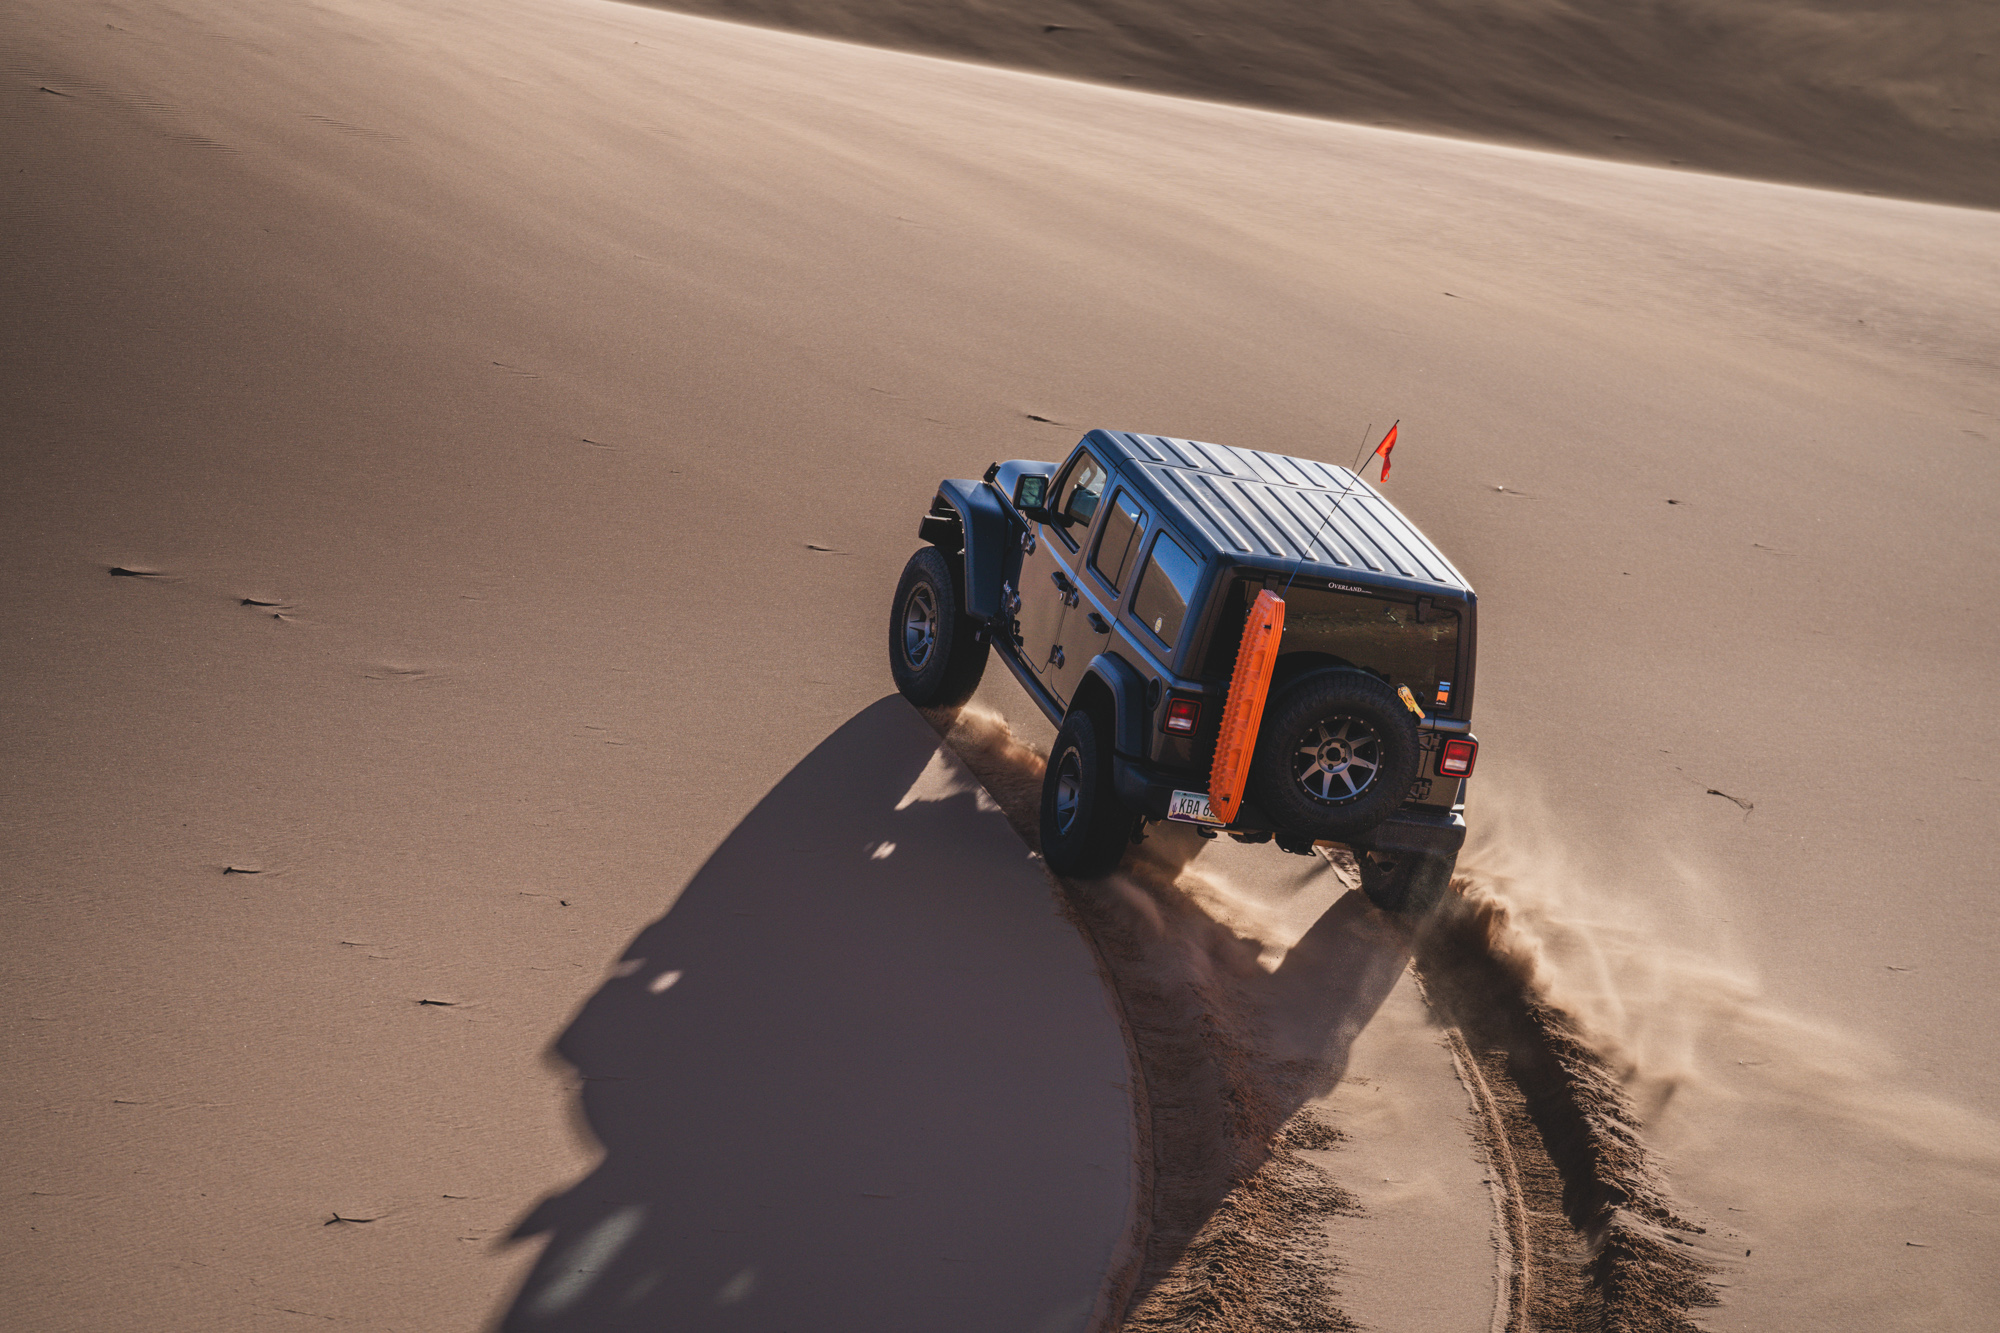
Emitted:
<point x="1880" y="95"/>
<point x="515" y="419"/>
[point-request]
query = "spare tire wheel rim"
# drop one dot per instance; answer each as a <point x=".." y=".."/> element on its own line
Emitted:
<point x="1337" y="760"/>
<point x="920" y="620"/>
<point x="1069" y="789"/>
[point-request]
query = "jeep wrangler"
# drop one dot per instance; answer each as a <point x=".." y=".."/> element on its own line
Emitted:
<point x="1117" y="588"/>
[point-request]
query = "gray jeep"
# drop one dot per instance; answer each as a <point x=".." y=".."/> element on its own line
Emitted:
<point x="1116" y="588"/>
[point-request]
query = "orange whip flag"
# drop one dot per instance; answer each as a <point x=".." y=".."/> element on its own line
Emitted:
<point x="1382" y="449"/>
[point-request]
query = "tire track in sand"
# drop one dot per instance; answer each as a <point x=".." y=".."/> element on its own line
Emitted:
<point x="1513" y="1249"/>
<point x="1227" y="1058"/>
<point x="1605" y="1246"/>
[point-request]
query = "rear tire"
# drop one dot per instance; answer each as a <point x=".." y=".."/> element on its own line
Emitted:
<point x="936" y="653"/>
<point x="1408" y="884"/>
<point x="1085" y="827"/>
<point x="1335" y="757"/>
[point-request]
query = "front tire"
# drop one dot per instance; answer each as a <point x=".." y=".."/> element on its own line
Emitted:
<point x="936" y="652"/>
<point x="1085" y="827"/>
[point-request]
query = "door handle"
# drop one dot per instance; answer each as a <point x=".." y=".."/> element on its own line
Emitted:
<point x="1063" y="586"/>
<point x="1099" y="623"/>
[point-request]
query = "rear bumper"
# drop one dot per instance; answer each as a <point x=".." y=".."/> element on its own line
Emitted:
<point x="1147" y="789"/>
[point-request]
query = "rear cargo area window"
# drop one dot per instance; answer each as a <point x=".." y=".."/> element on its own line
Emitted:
<point x="1165" y="589"/>
<point x="1381" y="636"/>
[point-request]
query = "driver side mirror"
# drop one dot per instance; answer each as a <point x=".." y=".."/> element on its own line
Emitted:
<point x="1031" y="497"/>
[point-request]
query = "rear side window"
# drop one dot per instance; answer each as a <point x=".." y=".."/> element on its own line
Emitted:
<point x="1165" y="589"/>
<point x="1118" y="542"/>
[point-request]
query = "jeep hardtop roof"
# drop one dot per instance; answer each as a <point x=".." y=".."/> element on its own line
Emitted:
<point x="1269" y="510"/>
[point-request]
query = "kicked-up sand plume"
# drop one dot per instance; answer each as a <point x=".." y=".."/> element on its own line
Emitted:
<point x="1703" y="1058"/>
<point x="1232" y="1212"/>
<point x="1231" y="1052"/>
<point x="1590" y="1236"/>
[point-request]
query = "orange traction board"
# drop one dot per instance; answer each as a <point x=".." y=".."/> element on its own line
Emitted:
<point x="1243" y="712"/>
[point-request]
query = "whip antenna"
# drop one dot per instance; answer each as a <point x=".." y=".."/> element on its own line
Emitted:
<point x="1327" y="518"/>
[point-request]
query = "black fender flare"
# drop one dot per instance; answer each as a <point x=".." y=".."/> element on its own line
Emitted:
<point x="983" y="531"/>
<point x="1130" y="714"/>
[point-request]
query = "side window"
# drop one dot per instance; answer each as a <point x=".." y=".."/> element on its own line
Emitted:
<point x="1077" y="495"/>
<point x="1118" y="543"/>
<point x="1165" y="589"/>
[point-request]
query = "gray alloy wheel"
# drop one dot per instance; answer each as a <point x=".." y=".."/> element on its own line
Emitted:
<point x="1069" y="791"/>
<point x="936" y="652"/>
<point x="1085" y="827"/>
<point x="920" y="625"/>
<point x="1335" y="756"/>
<point x="1338" y="759"/>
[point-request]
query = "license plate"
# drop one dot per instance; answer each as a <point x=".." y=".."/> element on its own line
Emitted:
<point x="1191" y="807"/>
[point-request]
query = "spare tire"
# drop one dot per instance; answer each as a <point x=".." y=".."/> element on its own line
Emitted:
<point x="1336" y="755"/>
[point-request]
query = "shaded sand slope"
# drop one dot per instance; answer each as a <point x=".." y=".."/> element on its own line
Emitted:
<point x="879" y="1098"/>
<point x="567" y="377"/>
<point x="1901" y="96"/>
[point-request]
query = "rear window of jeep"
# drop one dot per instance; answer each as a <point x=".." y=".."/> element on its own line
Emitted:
<point x="1165" y="589"/>
<point x="1377" y="634"/>
<point x="1381" y="636"/>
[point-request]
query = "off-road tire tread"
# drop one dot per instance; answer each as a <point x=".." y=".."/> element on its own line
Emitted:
<point x="1311" y="696"/>
<point x="959" y="659"/>
<point x="1104" y="829"/>
<point x="1412" y="887"/>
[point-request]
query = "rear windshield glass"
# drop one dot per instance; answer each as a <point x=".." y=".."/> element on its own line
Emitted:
<point x="1165" y="589"/>
<point x="1381" y="636"/>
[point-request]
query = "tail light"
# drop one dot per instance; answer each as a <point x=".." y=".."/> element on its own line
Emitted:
<point x="1457" y="758"/>
<point x="1183" y="715"/>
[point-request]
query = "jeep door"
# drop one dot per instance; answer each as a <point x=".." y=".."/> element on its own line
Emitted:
<point x="1049" y="567"/>
<point x="1086" y="630"/>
